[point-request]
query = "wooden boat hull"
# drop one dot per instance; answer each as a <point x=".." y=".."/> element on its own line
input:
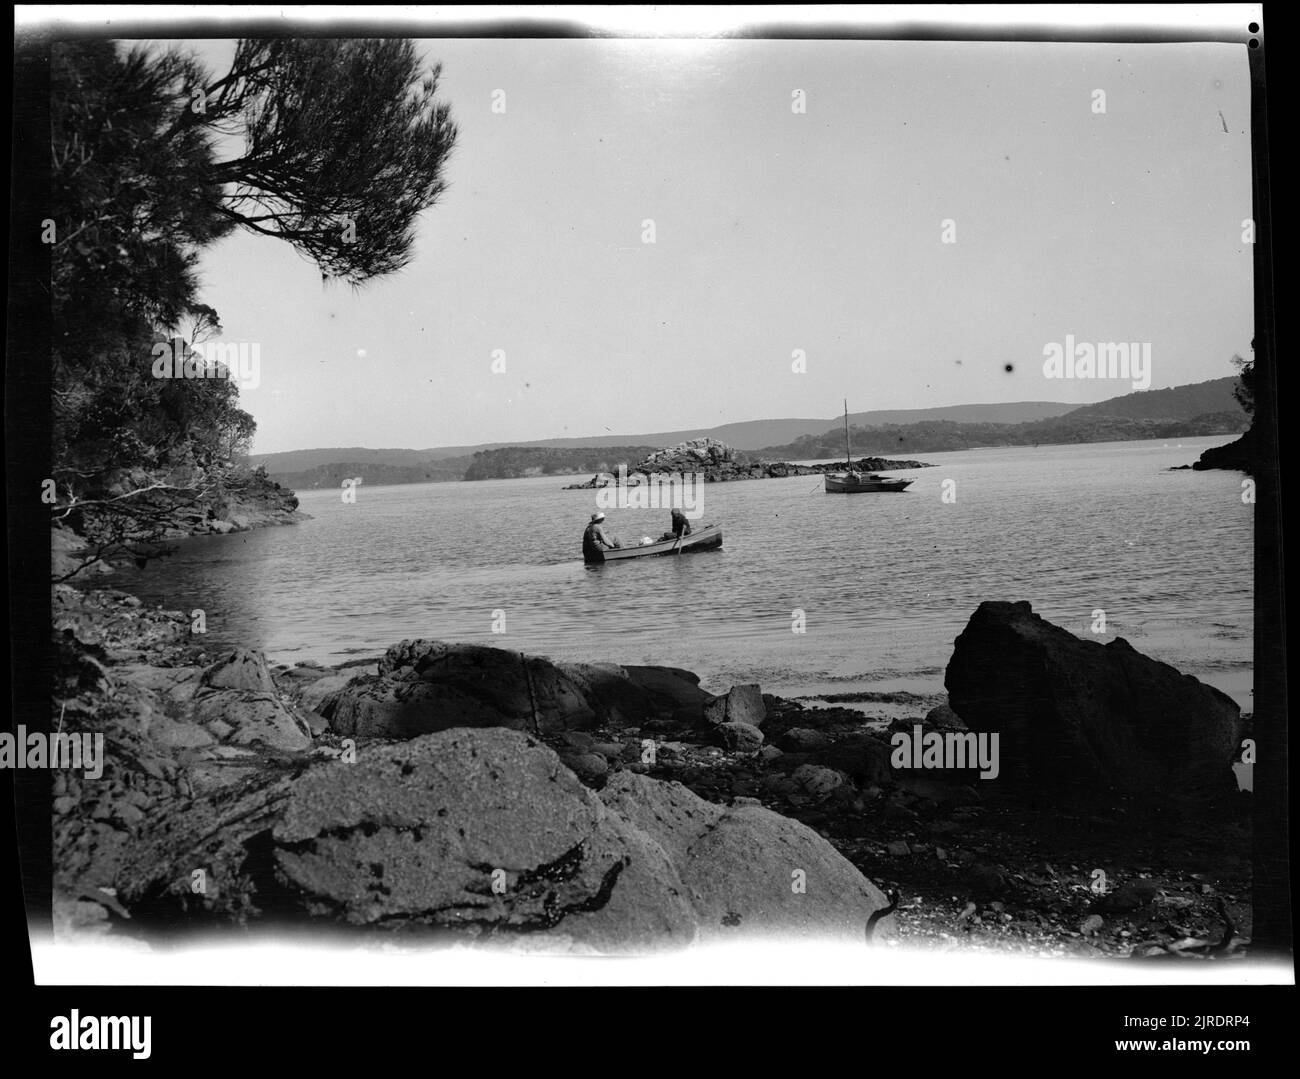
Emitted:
<point x="855" y="483"/>
<point x="708" y="538"/>
<point x="841" y="485"/>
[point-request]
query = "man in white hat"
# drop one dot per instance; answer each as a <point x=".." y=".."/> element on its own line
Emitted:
<point x="594" y="540"/>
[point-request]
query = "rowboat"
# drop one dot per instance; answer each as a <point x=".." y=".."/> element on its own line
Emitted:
<point x="708" y="538"/>
<point x="853" y="483"/>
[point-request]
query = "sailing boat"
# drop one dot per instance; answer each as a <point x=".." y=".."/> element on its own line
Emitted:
<point x="854" y="482"/>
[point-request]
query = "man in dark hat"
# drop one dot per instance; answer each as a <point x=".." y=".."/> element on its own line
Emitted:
<point x="595" y="541"/>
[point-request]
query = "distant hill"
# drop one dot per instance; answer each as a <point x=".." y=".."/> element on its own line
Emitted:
<point x="1008" y="412"/>
<point x="745" y="435"/>
<point x="751" y="433"/>
<point x="1178" y="403"/>
<point x="883" y="431"/>
<point x="303" y="460"/>
<point x="372" y="474"/>
<point x="1206" y="408"/>
<point x="510" y="461"/>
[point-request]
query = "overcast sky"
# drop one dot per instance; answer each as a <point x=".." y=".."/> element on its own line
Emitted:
<point x="774" y="231"/>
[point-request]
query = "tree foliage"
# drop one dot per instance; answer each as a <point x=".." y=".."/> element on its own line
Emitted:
<point x="133" y="209"/>
<point x="335" y="132"/>
<point x="1244" y="391"/>
<point x="334" y="146"/>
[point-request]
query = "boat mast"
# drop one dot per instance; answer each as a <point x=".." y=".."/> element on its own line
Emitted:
<point x="848" y="454"/>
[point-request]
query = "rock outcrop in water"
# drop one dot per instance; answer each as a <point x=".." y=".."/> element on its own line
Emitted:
<point x="1237" y="456"/>
<point x="693" y="455"/>
<point x="764" y="470"/>
<point x="1078" y="715"/>
<point x="719" y="463"/>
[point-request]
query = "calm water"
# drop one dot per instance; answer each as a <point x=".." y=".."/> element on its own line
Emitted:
<point x="886" y="581"/>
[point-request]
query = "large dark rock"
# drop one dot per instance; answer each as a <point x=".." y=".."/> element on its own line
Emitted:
<point x="425" y="686"/>
<point x="486" y="832"/>
<point x="1079" y="715"/>
<point x="631" y="696"/>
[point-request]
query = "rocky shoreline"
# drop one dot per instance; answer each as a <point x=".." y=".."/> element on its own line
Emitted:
<point x="240" y="503"/>
<point x="460" y="791"/>
<point x="258" y="503"/>
<point x="1239" y="456"/>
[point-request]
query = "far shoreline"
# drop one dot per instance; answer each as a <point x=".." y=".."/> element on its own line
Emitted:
<point x="833" y="461"/>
